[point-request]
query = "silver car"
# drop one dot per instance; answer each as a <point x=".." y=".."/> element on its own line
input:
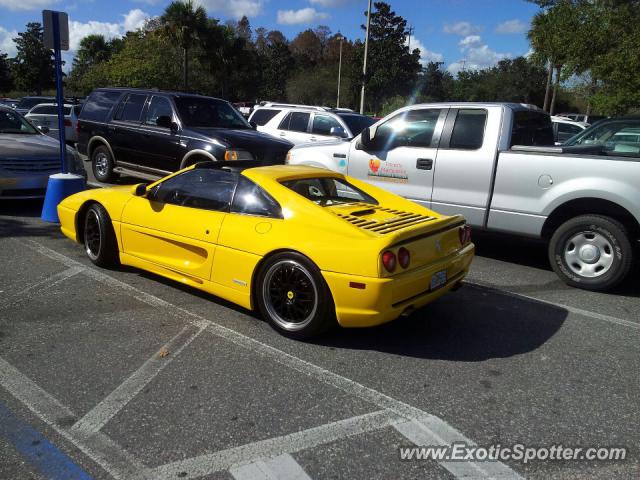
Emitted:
<point x="28" y="157"/>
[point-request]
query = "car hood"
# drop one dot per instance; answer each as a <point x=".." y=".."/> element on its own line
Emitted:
<point x="28" y="146"/>
<point x="244" y="139"/>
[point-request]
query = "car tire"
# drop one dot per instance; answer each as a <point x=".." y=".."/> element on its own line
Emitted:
<point x="99" y="239"/>
<point x="293" y="297"/>
<point x="102" y="165"/>
<point x="592" y="252"/>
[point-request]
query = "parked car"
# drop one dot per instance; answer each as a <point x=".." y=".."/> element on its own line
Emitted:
<point x="9" y="102"/>
<point x="581" y="117"/>
<point x="618" y="136"/>
<point x="149" y="133"/>
<point x="564" y="129"/>
<point x="46" y="115"/>
<point x="309" y="124"/>
<point x="27" y="103"/>
<point x="303" y="246"/>
<point x="28" y="157"/>
<point x="495" y="163"/>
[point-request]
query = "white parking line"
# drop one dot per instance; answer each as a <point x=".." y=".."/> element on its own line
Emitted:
<point x="98" y="447"/>
<point x="282" y="467"/>
<point x="99" y="415"/>
<point x="574" y="310"/>
<point x="48" y="282"/>
<point x="436" y="427"/>
<point x="232" y="458"/>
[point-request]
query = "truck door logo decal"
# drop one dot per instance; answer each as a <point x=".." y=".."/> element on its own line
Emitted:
<point x="387" y="171"/>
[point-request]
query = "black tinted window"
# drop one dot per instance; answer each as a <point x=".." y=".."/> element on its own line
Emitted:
<point x="357" y="123"/>
<point x="209" y="112"/>
<point x="531" y="128"/>
<point x="568" y="128"/>
<point x="49" y="110"/>
<point x="326" y="191"/>
<point x="322" y="124"/>
<point x="250" y="199"/>
<point x="468" y="131"/>
<point x="295" y="121"/>
<point x="263" y="115"/>
<point x="131" y="109"/>
<point x="207" y="189"/>
<point x="99" y="105"/>
<point x="158" y="107"/>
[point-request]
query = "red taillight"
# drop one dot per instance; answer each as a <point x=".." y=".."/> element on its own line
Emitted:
<point x="404" y="257"/>
<point x="389" y="260"/>
<point x="465" y="234"/>
<point x="77" y="127"/>
<point x="67" y="122"/>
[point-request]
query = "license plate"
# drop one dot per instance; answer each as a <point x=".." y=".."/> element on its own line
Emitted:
<point x="438" y="279"/>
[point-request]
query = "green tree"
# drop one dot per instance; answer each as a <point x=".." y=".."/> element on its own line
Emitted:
<point x="184" y="23"/>
<point x="6" y="79"/>
<point x="33" y="67"/>
<point x="278" y="65"/>
<point x="437" y="84"/>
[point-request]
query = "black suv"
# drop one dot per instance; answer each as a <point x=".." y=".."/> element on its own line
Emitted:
<point x="152" y="133"/>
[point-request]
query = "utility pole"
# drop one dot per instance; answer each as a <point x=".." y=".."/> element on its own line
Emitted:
<point x="340" y="38"/>
<point x="364" y="64"/>
<point x="410" y="30"/>
<point x="464" y="63"/>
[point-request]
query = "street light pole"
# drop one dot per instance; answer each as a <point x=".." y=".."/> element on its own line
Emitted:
<point x="341" y="38"/>
<point x="364" y="64"/>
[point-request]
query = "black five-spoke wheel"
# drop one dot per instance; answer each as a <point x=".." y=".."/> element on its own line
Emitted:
<point x="99" y="239"/>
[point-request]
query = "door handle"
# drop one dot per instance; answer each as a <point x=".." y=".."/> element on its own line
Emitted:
<point x="424" y="164"/>
<point x="282" y="134"/>
<point x="313" y="139"/>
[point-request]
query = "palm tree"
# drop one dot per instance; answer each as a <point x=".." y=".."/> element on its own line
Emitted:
<point x="184" y="23"/>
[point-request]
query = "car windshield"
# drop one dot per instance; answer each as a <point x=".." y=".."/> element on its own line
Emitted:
<point x="327" y="191"/>
<point x="13" y="122"/>
<point x="208" y="112"/>
<point x="615" y="138"/>
<point x="28" y="102"/>
<point x="356" y="123"/>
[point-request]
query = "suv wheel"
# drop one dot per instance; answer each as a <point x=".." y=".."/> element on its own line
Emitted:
<point x="591" y="252"/>
<point x="102" y="164"/>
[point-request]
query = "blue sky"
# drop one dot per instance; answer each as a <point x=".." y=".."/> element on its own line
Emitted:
<point x="462" y="33"/>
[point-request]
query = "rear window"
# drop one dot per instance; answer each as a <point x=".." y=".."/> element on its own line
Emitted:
<point x="531" y="128"/>
<point x="99" y="105"/>
<point x="263" y="115"/>
<point x="49" y="110"/>
<point x="295" y="121"/>
<point x="326" y="191"/>
<point x="131" y="109"/>
<point x="468" y="131"/>
<point x="356" y="123"/>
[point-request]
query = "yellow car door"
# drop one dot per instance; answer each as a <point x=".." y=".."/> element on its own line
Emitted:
<point x="175" y="226"/>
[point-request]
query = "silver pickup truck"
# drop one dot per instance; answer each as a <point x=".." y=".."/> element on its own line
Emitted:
<point x="495" y="163"/>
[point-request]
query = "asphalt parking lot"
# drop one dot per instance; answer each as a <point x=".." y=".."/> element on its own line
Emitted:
<point x="121" y="374"/>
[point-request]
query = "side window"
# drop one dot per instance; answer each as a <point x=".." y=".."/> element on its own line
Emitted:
<point x="468" y="131"/>
<point x="263" y="115"/>
<point x="158" y="107"/>
<point x="250" y="199"/>
<point x="131" y="108"/>
<point x="295" y="121"/>
<point x="207" y="189"/>
<point x="322" y="124"/>
<point x="99" y="104"/>
<point x="566" y="131"/>
<point x="413" y="128"/>
<point x="531" y="128"/>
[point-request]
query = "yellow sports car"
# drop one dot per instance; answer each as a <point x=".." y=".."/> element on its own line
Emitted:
<point x="304" y="246"/>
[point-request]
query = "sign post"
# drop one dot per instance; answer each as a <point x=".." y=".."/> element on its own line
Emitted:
<point x="61" y="185"/>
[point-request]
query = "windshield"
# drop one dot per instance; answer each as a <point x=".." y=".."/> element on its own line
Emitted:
<point x="13" y="122"/>
<point x="327" y="191"/>
<point x="356" y="123"/>
<point x="208" y="112"/>
<point x="616" y="138"/>
<point x="28" y="102"/>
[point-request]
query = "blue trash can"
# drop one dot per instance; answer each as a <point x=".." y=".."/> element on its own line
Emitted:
<point x="60" y="186"/>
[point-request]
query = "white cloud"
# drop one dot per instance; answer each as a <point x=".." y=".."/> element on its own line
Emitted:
<point x="330" y="3"/>
<point x="511" y="26"/>
<point x="426" y="55"/>
<point x="6" y="41"/>
<point x="302" y="16"/>
<point x="134" y="20"/>
<point x="477" y="55"/>
<point x="26" y="4"/>
<point x="233" y="8"/>
<point x="461" y="28"/>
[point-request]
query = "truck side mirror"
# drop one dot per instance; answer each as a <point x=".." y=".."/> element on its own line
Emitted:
<point x="365" y="142"/>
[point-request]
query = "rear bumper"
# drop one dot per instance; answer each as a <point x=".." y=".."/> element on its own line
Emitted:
<point x="385" y="299"/>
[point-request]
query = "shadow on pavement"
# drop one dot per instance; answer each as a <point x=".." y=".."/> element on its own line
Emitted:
<point x="21" y="218"/>
<point x="471" y="325"/>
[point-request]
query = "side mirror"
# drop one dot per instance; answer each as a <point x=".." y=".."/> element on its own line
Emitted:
<point x="338" y="132"/>
<point x="254" y="125"/>
<point x="365" y="141"/>
<point x="140" y="190"/>
<point x="43" y="129"/>
<point x="164" y="121"/>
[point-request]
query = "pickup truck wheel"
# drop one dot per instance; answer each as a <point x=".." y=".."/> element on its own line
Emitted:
<point x="293" y="297"/>
<point x="592" y="252"/>
<point x="102" y="164"/>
